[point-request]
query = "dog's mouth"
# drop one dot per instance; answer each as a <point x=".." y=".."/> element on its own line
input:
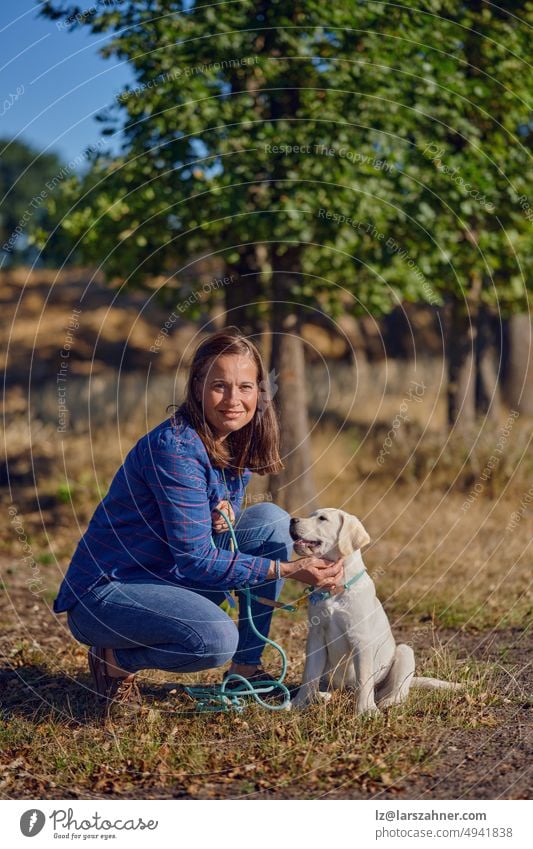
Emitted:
<point x="311" y="544"/>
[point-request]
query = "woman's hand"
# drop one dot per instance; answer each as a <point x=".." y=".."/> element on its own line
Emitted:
<point x="218" y="523"/>
<point x="324" y="574"/>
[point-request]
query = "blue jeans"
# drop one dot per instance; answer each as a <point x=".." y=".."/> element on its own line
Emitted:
<point x="153" y="624"/>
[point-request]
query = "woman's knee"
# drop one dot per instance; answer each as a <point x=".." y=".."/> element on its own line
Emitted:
<point x="268" y="520"/>
<point x="220" y="642"/>
<point x="266" y="530"/>
<point x="267" y="511"/>
<point x="75" y="630"/>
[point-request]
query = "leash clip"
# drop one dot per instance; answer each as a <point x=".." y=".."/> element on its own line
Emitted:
<point x="316" y="596"/>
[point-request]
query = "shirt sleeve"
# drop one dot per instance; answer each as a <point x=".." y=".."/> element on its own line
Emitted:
<point x="238" y="503"/>
<point x="179" y="485"/>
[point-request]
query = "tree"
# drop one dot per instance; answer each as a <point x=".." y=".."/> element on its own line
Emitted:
<point x="519" y="366"/>
<point x="212" y="130"/>
<point x="292" y="142"/>
<point x="467" y="122"/>
<point x="24" y="175"/>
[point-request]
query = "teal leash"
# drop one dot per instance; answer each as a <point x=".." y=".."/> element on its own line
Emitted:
<point x="216" y="697"/>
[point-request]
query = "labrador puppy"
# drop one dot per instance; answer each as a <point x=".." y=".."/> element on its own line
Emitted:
<point x="350" y="642"/>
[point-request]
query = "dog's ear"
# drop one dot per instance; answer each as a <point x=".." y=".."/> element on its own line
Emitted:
<point x="352" y="535"/>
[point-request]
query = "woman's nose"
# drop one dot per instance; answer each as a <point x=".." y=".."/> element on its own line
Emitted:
<point x="233" y="395"/>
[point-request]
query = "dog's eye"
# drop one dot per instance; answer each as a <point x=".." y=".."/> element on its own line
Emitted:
<point x="323" y="518"/>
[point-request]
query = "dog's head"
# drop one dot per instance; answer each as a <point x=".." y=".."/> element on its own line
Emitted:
<point x="328" y="533"/>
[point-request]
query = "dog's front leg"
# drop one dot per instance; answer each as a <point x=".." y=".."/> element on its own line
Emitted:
<point x="364" y="676"/>
<point x="315" y="664"/>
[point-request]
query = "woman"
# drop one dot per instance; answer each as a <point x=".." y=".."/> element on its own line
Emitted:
<point x="146" y="581"/>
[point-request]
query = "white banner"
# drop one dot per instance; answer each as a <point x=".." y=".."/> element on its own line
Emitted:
<point x="354" y="824"/>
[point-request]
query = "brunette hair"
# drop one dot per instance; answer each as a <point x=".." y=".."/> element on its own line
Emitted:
<point x="254" y="446"/>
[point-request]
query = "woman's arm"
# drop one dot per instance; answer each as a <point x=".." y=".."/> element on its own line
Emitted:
<point x="178" y="481"/>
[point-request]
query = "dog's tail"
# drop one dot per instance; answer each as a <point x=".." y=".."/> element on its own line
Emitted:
<point x="434" y="684"/>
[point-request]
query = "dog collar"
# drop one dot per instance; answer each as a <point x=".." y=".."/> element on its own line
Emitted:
<point x="317" y="595"/>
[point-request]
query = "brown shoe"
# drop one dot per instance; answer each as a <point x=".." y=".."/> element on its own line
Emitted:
<point x="120" y="690"/>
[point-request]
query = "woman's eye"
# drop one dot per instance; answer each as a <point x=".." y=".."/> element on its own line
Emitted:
<point x="221" y="386"/>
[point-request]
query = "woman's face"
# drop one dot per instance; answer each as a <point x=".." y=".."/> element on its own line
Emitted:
<point x="229" y="393"/>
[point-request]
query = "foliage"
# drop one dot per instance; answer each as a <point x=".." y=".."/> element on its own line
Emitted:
<point x="388" y="145"/>
<point x="24" y="174"/>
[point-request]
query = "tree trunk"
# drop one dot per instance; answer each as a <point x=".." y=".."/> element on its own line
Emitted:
<point x="519" y="379"/>
<point x="461" y="340"/>
<point x="488" y="364"/>
<point x="293" y="488"/>
<point x="245" y="294"/>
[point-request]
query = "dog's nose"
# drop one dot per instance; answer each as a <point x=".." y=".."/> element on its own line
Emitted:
<point x="293" y="522"/>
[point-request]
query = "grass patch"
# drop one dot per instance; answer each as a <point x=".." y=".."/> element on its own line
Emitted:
<point x="224" y="755"/>
<point x="53" y="740"/>
<point x="465" y="613"/>
<point x="435" y="565"/>
<point x="65" y="492"/>
<point x="45" y="559"/>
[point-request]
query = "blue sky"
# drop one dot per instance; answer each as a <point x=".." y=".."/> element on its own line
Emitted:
<point x="65" y="81"/>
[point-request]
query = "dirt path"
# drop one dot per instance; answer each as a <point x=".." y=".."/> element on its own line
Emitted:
<point x="491" y="761"/>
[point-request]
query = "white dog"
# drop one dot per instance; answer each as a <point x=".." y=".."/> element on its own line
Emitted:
<point x="350" y="642"/>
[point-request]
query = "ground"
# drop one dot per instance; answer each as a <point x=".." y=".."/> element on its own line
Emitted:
<point x="475" y="744"/>
<point x="449" y="518"/>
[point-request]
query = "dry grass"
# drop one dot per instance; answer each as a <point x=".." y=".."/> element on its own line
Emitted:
<point x="451" y="569"/>
<point x="454" y="579"/>
<point x="54" y="745"/>
<point x="443" y="545"/>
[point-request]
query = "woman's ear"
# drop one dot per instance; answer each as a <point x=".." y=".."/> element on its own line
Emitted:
<point x="352" y="535"/>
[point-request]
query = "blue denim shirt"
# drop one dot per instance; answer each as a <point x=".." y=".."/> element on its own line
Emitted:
<point x="156" y="521"/>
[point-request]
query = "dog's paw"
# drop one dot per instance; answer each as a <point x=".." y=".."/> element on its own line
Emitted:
<point x="391" y="701"/>
<point x="303" y="700"/>
<point x="367" y="710"/>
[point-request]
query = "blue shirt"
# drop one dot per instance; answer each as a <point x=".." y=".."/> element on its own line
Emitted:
<point x="155" y="521"/>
